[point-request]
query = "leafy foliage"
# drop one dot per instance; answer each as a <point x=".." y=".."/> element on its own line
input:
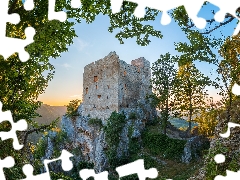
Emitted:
<point x="160" y="144"/>
<point x="163" y="84"/>
<point x="113" y="130"/>
<point x="207" y="120"/>
<point x="190" y="91"/>
<point x="72" y="108"/>
<point x="132" y="116"/>
<point x="95" y="122"/>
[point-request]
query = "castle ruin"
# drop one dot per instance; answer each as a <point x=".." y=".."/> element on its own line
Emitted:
<point x="110" y="84"/>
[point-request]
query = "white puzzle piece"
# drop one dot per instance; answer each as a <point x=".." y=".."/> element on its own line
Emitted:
<point x="18" y="126"/>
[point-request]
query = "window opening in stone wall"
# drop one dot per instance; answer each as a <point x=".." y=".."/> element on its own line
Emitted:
<point x="107" y="97"/>
<point x="95" y="78"/>
<point x="125" y="85"/>
<point x="99" y="96"/>
<point x="108" y="86"/>
<point x="127" y="105"/>
<point x="124" y="73"/>
<point x="89" y="97"/>
<point x="96" y="87"/>
<point x="86" y="90"/>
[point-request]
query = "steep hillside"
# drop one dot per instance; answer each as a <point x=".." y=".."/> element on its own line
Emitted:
<point x="48" y="113"/>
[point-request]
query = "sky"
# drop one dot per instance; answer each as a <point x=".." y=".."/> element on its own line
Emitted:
<point x="94" y="42"/>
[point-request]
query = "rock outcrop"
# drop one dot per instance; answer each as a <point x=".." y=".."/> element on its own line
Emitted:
<point x="90" y="139"/>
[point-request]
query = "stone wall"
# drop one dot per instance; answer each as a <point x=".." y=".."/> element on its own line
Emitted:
<point x="110" y="84"/>
<point x="100" y="87"/>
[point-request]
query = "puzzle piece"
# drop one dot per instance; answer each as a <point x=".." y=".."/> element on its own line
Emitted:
<point x="192" y="8"/>
<point x="75" y="3"/>
<point x="87" y="173"/>
<point x="230" y="125"/>
<point x="137" y="167"/>
<point x="236" y="89"/>
<point x="219" y="158"/>
<point x="8" y="162"/>
<point x="66" y="166"/>
<point x="230" y="175"/>
<point x="8" y="46"/>
<point x="18" y="126"/>
<point x="224" y="9"/>
<point x="52" y="14"/>
<point x="28" y="5"/>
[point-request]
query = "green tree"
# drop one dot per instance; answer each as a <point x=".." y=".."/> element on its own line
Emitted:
<point x="163" y="83"/>
<point x="22" y="83"/>
<point x="229" y="72"/>
<point x="207" y="119"/>
<point x="190" y="91"/>
<point x="72" y="108"/>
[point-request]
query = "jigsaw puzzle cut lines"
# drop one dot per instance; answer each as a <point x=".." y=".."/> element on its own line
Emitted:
<point x="236" y="87"/>
<point x="11" y="45"/>
<point x="219" y="158"/>
<point x="28" y="5"/>
<point x="75" y="3"/>
<point x="21" y="125"/>
<point x="192" y="8"/>
<point x="230" y="125"/>
<point x="66" y="166"/>
<point x="8" y="45"/>
<point x="52" y="14"/>
<point x="8" y="162"/>
<point x="137" y="167"/>
<point x="87" y="173"/>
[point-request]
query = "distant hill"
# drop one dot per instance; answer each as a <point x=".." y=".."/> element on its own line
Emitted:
<point x="49" y="114"/>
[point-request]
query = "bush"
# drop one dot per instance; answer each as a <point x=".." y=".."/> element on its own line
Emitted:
<point x="72" y="108"/>
<point x="113" y="130"/>
<point x="207" y="121"/>
<point x="160" y="144"/>
<point x="95" y="122"/>
<point x="132" y="116"/>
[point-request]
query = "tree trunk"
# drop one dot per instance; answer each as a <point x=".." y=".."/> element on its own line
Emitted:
<point x="229" y="107"/>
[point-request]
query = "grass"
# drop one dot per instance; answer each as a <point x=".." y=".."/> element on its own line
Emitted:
<point x="172" y="168"/>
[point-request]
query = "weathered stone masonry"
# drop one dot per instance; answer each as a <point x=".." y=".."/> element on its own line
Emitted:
<point x="110" y="84"/>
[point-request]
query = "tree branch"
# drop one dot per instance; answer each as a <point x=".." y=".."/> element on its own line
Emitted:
<point x="221" y="24"/>
<point x="26" y="133"/>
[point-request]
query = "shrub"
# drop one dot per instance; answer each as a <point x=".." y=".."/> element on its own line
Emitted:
<point x="95" y="122"/>
<point x="132" y="116"/>
<point x="72" y="108"/>
<point x="113" y="130"/>
<point x="207" y="121"/>
<point x="160" y="144"/>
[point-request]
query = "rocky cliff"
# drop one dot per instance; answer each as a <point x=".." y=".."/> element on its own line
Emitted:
<point x="90" y="139"/>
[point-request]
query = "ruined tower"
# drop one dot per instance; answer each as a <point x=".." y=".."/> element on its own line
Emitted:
<point x="110" y="84"/>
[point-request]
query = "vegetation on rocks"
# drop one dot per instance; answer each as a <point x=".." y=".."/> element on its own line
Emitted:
<point x="72" y="108"/>
<point x="95" y="122"/>
<point x="113" y="130"/>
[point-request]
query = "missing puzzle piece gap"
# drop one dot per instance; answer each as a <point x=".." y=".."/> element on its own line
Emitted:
<point x="28" y="5"/>
<point x="219" y="158"/>
<point x="236" y="87"/>
<point x="230" y="125"/>
<point x="8" y="162"/>
<point x="75" y="3"/>
<point x="230" y="176"/>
